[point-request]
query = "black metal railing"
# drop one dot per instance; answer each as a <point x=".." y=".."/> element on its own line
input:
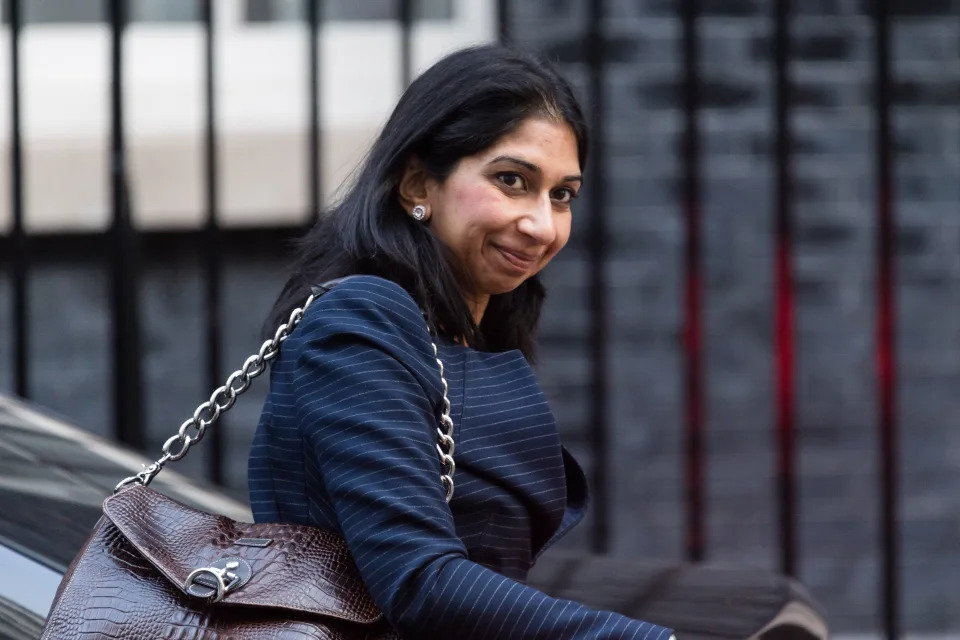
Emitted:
<point x="784" y="295"/>
<point x="212" y="243"/>
<point x="124" y="269"/>
<point x="124" y="256"/>
<point x="596" y="244"/>
<point x="18" y="244"/>
<point x="885" y="332"/>
<point x="693" y="286"/>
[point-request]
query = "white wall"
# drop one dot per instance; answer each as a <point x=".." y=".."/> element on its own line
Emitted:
<point x="262" y="121"/>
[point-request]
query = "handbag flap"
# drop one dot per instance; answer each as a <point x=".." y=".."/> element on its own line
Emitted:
<point x="292" y="567"/>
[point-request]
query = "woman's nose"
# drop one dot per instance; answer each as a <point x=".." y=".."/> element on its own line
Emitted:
<point x="538" y="222"/>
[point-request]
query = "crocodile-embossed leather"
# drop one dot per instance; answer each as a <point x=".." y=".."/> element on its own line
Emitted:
<point x="129" y="580"/>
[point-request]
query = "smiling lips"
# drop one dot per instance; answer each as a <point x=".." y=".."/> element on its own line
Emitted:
<point x="519" y="260"/>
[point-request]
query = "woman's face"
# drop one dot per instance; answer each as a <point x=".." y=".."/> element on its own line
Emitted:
<point x="505" y="212"/>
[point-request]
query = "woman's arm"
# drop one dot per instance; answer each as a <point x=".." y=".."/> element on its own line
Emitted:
<point x="364" y="388"/>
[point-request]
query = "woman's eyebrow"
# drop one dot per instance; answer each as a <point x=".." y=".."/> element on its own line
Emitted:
<point x="532" y="167"/>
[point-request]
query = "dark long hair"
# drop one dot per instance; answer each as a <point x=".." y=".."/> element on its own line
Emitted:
<point x="460" y="106"/>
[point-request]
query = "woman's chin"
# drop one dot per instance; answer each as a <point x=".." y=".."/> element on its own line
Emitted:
<point x="505" y="285"/>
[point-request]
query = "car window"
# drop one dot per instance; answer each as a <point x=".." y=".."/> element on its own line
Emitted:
<point x="27" y="588"/>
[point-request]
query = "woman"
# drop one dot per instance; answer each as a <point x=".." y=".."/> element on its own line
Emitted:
<point x="463" y="199"/>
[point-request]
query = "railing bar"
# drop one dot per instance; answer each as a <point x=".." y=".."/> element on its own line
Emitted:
<point x="19" y="251"/>
<point x="596" y="245"/>
<point x="693" y="289"/>
<point x="886" y="324"/>
<point x="784" y="295"/>
<point x="127" y="376"/>
<point x="503" y="21"/>
<point x="314" y="12"/>
<point x="406" y="42"/>
<point x="211" y="250"/>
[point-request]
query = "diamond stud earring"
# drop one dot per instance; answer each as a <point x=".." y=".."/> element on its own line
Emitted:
<point x="419" y="213"/>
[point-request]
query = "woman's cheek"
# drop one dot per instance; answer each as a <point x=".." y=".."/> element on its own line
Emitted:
<point x="481" y="203"/>
<point x="563" y="234"/>
<point x="566" y="234"/>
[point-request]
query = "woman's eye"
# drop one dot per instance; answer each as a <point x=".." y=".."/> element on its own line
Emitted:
<point x="512" y="180"/>
<point x="564" y="195"/>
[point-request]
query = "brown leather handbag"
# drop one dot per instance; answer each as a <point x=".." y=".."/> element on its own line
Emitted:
<point x="154" y="568"/>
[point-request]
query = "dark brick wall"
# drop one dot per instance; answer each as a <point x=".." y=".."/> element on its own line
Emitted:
<point x="835" y="262"/>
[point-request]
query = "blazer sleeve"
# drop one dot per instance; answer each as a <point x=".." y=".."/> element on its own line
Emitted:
<point x="367" y="396"/>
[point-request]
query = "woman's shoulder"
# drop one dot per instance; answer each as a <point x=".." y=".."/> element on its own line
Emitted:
<point x="360" y="319"/>
<point x="370" y="306"/>
<point x="365" y="295"/>
<point x="372" y="290"/>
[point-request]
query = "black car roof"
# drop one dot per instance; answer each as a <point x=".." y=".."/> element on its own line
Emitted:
<point x="54" y="478"/>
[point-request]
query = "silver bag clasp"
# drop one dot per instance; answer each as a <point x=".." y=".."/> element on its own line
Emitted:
<point x="219" y="579"/>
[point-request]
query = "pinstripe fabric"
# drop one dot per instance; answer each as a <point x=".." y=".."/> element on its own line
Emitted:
<point x="347" y="441"/>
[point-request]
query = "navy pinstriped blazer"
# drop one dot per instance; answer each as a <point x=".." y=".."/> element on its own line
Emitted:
<point x="347" y="442"/>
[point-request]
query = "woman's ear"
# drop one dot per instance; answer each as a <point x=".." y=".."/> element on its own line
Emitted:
<point x="414" y="185"/>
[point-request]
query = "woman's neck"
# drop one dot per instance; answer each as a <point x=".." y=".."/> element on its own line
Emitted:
<point x="478" y="306"/>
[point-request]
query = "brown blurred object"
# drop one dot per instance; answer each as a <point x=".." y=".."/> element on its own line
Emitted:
<point x="700" y="602"/>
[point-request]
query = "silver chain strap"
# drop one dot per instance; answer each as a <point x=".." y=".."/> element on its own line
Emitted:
<point x="239" y="381"/>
